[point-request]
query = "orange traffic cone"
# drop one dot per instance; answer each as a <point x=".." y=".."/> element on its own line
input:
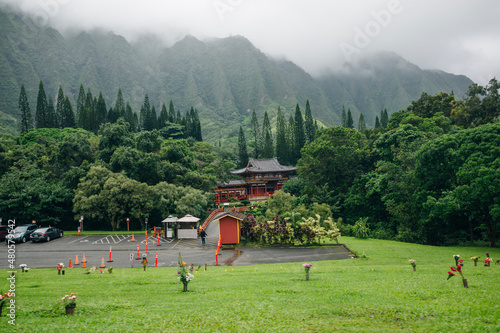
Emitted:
<point x="76" y="261"/>
<point x="84" y="261"/>
<point x="133" y="239"/>
<point x="102" y="263"/>
<point x="70" y="264"/>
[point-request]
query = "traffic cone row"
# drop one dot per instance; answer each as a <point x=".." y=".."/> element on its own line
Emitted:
<point x="84" y="261"/>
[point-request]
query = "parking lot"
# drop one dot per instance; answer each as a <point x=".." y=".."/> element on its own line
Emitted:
<point x="97" y="248"/>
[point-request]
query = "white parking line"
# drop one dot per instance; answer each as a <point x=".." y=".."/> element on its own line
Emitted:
<point x="77" y="239"/>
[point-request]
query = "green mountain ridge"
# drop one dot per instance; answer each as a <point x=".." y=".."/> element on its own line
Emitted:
<point x="225" y="79"/>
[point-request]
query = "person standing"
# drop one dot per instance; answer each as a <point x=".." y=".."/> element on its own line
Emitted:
<point x="203" y="234"/>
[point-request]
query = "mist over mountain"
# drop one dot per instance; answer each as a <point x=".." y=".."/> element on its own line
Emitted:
<point x="224" y="79"/>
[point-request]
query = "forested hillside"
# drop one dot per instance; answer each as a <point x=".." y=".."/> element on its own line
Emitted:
<point x="224" y="79"/>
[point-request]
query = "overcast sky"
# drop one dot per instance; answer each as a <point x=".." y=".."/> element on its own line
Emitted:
<point x="457" y="36"/>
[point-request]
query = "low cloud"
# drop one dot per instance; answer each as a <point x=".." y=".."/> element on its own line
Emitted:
<point x="455" y="36"/>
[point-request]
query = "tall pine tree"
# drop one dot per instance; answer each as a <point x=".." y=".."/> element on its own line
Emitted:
<point x="101" y="112"/>
<point x="26" y="121"/>
<point x="291" y="139"/>
<point x="197" y="126"/>
<point x="163" y="118"/>
<point x="384" y="118"/>
<point x="86" y="115"/>
<point x="68" y="119"/>
<point x="349" y="120"/>
<point x="145" y="116"/>
<point x="51" y="116"/>
<point x="299" y="134"/>
<point x="242" y="149"/>
<point x="131" y="118"/>
<point x="254" y="123"/>
<point x="361" y="123"/>
<point x="377" y="122"/>
<point x="310" y="129"/>
<point x="119" y="108"/>
<point x="281" y="138"/>
<point x="80" y="102"/>
<point x="41" y="108"/>
<point x="171" y="113"/>
<point x="59" y="107"/>
<point x="154" y="119"/>
<point x="267" y="139"/>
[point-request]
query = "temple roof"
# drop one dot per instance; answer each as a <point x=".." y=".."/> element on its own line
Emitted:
<point x="270" y="165"/>
<point x="236" y="215"/>
<point x="233" y="182"/>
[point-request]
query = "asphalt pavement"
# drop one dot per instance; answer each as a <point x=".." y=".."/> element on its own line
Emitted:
<point x="124" y="252"/>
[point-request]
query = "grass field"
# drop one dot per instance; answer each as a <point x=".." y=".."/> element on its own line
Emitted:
<point x="379" y="293"/>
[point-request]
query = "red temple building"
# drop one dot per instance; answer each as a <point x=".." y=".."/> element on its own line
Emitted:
<point x="261" y="178"/>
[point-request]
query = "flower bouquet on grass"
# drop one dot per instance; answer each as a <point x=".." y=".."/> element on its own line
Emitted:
<point x="184" y="272"/>
<point x="307" y="268"/>
<point x="458" y="271"/>
<point x="24" y="267"/>
<point x="144" y="262"/>
<point x="69" y="302"/>
<point x="457" y="258"/>
<point x="4" y="298"/>
<point x="413" y="264"/>
<point x="59" y="267"/>
<point x="475" y="259"/>
<point x="487" y="262"/>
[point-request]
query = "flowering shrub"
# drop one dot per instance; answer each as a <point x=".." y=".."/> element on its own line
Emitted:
<point x="69" y="300"/>
<point x="286" y="231"/>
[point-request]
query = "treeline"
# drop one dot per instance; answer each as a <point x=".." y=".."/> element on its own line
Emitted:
<point x="55" y="175"/>
<point x="92" y="112"/>
<point x="290" y="136"/>
<point x="427" y="174"/>
<point x="431" y="175"/>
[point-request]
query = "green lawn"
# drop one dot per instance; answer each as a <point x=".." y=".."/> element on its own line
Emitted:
<point x="379" y="293"/>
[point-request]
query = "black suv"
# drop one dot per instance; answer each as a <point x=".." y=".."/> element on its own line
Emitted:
<point x="21" y="233"/>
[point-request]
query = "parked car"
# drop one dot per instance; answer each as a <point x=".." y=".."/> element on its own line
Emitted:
<point x="4" y="231"/>
<point x="21" y="233"/>
<point x="46" y="234"/>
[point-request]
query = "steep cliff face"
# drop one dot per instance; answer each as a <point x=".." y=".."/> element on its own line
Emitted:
<point x="225" y="79"/>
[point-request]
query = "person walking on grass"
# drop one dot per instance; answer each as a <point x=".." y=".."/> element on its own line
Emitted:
<point x="203" y="234"/>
